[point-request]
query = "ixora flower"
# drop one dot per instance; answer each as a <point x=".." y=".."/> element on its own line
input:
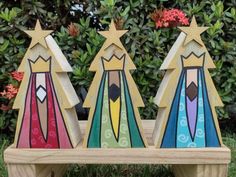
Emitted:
<point x="9" y="92"/>
<point x="169" y="18"/>
<point x="17" y="75"/>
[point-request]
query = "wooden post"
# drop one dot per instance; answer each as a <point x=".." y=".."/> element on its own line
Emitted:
<point x="200" y="170"/>
<point x="31" y="170"/>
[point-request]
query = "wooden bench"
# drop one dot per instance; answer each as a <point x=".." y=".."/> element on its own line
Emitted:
<point x="191" y="162"/>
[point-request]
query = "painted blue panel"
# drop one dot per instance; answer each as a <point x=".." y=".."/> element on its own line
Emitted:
<point x="200" y="129"/>
<point x="169" y="138"/>
<point x="212" y="139"/>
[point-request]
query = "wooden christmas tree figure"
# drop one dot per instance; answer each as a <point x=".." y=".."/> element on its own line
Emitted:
<point x="46" y="98"/>
<point x="113" y="98"/>
<point x="187" y="96"/>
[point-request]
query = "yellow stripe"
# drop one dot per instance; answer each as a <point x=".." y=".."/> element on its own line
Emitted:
<point x="115" y="115"/>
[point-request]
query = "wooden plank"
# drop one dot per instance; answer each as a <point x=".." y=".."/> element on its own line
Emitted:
<point x="150" y="155"/>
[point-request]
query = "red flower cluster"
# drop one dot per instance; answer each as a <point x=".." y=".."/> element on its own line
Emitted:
<point x="17" y="75"/>
<point x="169" y="18"/>
<point x="10" y="92"/>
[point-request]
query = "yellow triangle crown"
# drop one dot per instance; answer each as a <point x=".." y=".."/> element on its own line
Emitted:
<point x="114" y="63"/>
<point x="40" y="65"/>
<point x="192" y="60"/>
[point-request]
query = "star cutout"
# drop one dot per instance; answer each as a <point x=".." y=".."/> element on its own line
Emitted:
<point x="193" y="32"/>
<point x="113" y="36"/>
<point x="38" y="35"/>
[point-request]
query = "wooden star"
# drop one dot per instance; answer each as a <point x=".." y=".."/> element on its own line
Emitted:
<point x="193" y="32"/>
<point x="113" y="36"/>
<point x="38" y="35"/>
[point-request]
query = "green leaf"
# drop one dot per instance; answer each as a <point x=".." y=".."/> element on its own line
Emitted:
<point x="89" y="49"/>
<point x="9" y="15"/>
<point x="4" y="46"/>
<point x="108" y="3"/>
<point x="124" y="13"/>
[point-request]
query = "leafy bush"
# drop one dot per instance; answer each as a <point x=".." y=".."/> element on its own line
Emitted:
<point x="146" y="45"/>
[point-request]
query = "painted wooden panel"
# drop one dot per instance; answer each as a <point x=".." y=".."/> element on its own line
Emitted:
<point x="46" y="98"/>
<point x="113" y="98"/>
<point x="187" y="96"/>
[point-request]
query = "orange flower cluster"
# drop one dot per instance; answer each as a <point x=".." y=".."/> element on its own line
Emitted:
<point x="169" y="18"/>
<point x="10" y="92"/>
<point x="17" y="75"/>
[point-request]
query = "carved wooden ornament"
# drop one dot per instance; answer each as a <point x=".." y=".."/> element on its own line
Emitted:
<point x="46" y="98"/>
<point x="187" y="96"/>
<point x="113" y="98"/>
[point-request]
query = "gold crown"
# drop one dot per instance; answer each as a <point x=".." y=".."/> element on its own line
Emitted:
<point x="192" y="60"/>
<point x="40" y="65"/>
<point x="114" y="63"/>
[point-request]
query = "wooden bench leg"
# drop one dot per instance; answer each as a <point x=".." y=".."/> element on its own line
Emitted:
<point x="31" y="170"/>
<point x="200" y="170"/>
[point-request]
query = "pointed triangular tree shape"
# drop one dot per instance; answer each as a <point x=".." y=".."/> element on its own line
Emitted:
<point x="46" y="98"/>
<point x="113" y="98"/>
<point x="187" y="96"/>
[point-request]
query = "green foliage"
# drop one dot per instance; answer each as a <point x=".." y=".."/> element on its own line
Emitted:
<point x="229" y="140"/>
<point x="146" y="45"/>
<point x="119" y="170"/>
<point x="3" y="145"/>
